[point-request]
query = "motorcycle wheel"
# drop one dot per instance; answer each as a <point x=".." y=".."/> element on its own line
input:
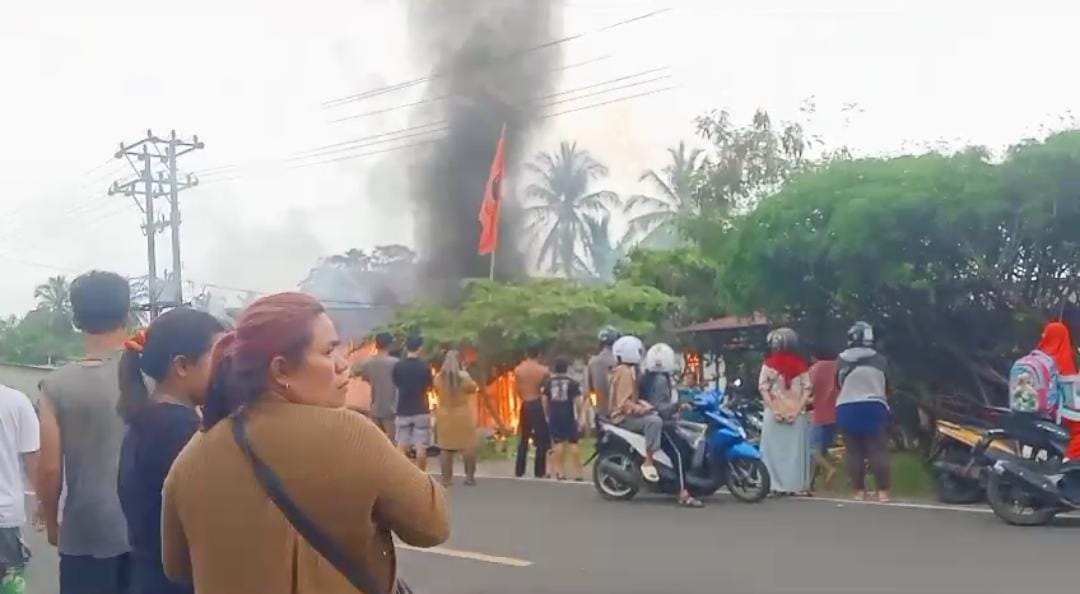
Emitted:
<point x="954" y="489"/>
<point x="748" y="479"/>
<point x="1013" y="506"/>
<point x="608" y="486"/>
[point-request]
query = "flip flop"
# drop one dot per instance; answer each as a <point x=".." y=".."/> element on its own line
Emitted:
<point x="691" y="502"/>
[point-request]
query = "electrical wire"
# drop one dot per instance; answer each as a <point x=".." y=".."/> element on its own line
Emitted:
<point x="506" y="58"/>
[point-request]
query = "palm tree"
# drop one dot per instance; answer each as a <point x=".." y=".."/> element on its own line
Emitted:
<point x="676" y="183"/>
<point x="562" y="193"/>
<point x="53" y="295"/>
<point x="605" y="254"/>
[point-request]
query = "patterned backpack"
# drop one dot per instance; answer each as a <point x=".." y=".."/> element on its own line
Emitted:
<point x="1033" y="385"/>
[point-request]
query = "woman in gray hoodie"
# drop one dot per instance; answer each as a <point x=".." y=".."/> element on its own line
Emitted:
<point x="862" y="411"/>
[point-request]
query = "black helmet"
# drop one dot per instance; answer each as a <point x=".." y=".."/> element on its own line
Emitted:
<point x="860" y="334"/>
<point x="608" y="335"/>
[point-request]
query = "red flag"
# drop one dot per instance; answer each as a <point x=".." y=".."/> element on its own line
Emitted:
<point x="489" y="208"/>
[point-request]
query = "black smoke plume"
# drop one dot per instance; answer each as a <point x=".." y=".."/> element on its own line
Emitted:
<point x="483" y="59"/>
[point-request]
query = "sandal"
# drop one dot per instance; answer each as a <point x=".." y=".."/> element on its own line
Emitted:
<point x="859" y="496"/>
<point x="883" y="497"/>
<point x="691" y="502"/>
<point x="649" y="473"/>
<point x="470" y="482"/>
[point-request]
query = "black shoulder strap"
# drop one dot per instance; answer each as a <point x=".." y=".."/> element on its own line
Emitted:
<point x="357" y="575"/>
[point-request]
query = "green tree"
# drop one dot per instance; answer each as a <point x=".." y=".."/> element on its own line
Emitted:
<point x="957" y="260"/>
<point x="684" y="272"/>
<point x="604" y="251"/>
<point x="563" y="200"/>
<point x="654" y="224"/>
<point x="499" y="320"/>
<point x="54" y="297"/>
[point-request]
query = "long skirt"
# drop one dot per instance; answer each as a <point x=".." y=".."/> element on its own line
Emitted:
<point x="785" y="449"/>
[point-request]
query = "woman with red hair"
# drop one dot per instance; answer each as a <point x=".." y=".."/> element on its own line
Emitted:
<point x="284" y="490"/>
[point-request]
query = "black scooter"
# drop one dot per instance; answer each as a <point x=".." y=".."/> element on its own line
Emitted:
<point x="1031" y="487"/>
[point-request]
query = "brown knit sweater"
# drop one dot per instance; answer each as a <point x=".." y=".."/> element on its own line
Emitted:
<point x="221" y="532"/>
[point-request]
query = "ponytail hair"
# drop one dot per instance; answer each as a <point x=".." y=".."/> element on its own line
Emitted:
<point x="180" y="332"/>
<point x="275" y="326"/>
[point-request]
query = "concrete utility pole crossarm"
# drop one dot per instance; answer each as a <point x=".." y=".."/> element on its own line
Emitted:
<point x="167" y="183"/>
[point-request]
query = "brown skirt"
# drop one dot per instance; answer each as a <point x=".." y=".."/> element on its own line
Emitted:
<point x="455" y="426"/>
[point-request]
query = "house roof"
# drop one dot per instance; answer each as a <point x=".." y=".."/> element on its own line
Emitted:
<point x="755" y="319"/>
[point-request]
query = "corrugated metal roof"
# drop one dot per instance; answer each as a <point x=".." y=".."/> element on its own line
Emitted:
<point x="727" y="323"/>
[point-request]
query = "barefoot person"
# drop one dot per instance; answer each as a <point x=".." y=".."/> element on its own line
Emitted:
<point x="529" y="375"/>
<point x="174" y="352"/>
<point x="80" y="443"/>
<point x="413" y="380"/>
<point x="456" y="418"/>
<point x="285" y="490"/>
<point x="378" y="371"/>
<point x="562" y="398"/>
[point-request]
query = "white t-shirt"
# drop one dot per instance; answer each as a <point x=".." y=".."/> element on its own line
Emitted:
<point x="19" y="434"/>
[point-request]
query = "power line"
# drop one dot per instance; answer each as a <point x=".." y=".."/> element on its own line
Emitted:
<point x="443" y="125"/>
<point x="449" y="95"/>
<point x="434" y="140"/>
<point x="511" y="56"/>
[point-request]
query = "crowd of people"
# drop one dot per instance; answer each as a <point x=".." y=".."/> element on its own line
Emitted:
<point x="153" y="457"/>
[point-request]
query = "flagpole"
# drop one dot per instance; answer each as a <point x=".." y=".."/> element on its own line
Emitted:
<point x="491" y="271"/>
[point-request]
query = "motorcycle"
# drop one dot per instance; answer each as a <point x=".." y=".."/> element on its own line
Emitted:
<point x="1031" y="485"/>
<point x="702" y="455"/>
<point x="955" y="478"/>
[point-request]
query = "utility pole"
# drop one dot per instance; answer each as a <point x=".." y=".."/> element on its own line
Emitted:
<point x="168" y="184"/>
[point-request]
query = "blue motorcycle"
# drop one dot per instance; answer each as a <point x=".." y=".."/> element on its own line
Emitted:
<point x="704" y="449"/>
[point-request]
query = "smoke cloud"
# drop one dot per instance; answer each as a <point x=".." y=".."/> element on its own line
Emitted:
<point x="476" y="48"/>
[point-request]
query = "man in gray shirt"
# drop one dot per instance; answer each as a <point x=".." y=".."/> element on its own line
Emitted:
<point x="81" y="434"/>
<point x="598" y="371"/>
<point x="378" y="371"/>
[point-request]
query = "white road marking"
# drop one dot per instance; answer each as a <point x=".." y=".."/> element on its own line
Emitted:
<point x="903" y="504"/>
<point x="470" y="555"/>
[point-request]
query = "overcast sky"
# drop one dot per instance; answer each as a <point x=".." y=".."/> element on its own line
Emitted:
<point x="250" y="77"/>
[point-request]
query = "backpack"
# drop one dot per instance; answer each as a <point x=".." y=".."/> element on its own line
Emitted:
<point x="1033" y="385"/>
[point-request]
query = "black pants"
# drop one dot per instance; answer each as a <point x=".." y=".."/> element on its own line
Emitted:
<point x="90" y="575"/>
<point x="532" y="425"/>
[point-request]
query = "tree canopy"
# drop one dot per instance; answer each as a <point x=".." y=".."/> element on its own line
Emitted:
<point x="500" y="320"/>
<point x="957" y="259"/>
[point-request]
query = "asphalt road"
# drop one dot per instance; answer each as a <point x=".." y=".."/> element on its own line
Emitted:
<point x="533" y="537"/>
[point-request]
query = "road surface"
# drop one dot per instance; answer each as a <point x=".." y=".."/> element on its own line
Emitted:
<point x="533" y="537"/>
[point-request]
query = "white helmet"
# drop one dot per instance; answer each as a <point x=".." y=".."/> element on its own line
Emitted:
<point x="628" y="350"/>
<point x="661" y="359"/>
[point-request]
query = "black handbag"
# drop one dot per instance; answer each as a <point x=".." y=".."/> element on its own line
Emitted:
<point x="357" y="575"/>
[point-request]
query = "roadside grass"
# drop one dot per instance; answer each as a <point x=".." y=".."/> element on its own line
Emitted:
<point x="910" y="476"/>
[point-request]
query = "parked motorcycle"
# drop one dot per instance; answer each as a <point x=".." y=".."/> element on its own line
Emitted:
<point x="1032" y="485"/>
<point x="711" y="453"/>
<point x="956" y="479"/>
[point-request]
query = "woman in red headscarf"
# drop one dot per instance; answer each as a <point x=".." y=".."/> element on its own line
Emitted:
<point x="1057" y="343"/>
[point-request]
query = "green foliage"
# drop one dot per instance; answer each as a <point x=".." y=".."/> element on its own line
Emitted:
<point x="654" y="224"/>
<point x="500" y="320"/>
<point x="684" y="272"/>
<point x="956" y="260"/>
<point x="563" y="203"/>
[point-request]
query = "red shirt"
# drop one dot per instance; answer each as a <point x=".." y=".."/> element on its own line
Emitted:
<point x="825" y="390"/>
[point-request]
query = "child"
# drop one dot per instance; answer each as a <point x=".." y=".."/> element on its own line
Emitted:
<point x="175" y="353"/>
<point x="562" y="396"/>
